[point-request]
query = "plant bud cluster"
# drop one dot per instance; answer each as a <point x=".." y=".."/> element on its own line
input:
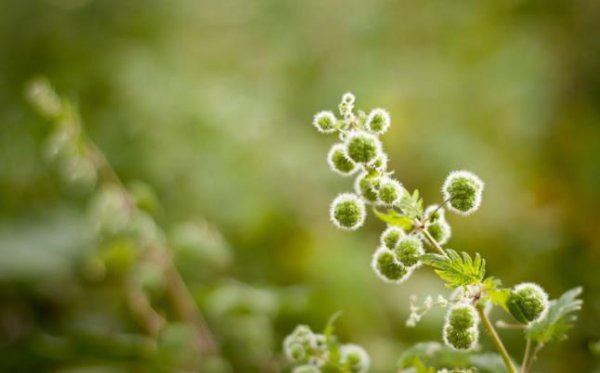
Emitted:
<point x="360" y="154"/>
<point x="461" y="327"/>
<point x="312" y="352"/>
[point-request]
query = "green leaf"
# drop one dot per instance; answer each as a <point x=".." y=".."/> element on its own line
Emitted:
<point x="456" y="270"/>
<point x="334" y="348"/>
<point x="395" y="219"/>
<point x="330" y="326"/>
<point x="411" y="205"/>
<point x="559" y="319"/>
<point x="494" y="293"/>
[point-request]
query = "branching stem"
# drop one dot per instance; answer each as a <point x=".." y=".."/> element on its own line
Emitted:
<point x="430" y="239"/>
<point x="181" y="298"/>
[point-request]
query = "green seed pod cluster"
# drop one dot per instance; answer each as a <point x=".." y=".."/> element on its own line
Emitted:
<point x="366" y="186"/>
<point x="527" y="302"/>
<point x="348" y="211"/>
<point x="436" y="224"/>
<point x="339" y="162"/>
<point x="390" y="191"/>
<point x="388" y="267"/>
<point x="408" y="250"/>
<point x="362" y="147"/>
<point x="311" y="352"/>
<point x="354" y="358"/>
<point x="461" y="327"/>
<point x="463" y="190"/>
<point x="391" y="236"/>
<point x="325" y="122"/>
<point x="378" y="121"/>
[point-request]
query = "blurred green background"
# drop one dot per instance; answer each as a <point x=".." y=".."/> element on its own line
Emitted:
<point x="210" y="104"/>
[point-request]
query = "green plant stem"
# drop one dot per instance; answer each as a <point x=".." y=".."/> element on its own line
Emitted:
<point x="533" y="357"/>
<point x="430" y="239"/>
<point x="182" y="300"/>
<point x="526" y="357"/>
<point x="496" y="339"/>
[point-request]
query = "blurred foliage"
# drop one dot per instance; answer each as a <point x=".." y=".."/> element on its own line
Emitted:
<point x="210" y="103"/>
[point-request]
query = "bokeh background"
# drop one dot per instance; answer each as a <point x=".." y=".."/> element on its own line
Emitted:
<point x="209" y="103"/>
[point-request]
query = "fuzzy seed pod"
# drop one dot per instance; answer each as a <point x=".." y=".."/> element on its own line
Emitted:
<point x="325" y="122"/>
<point x="355" y="358"/>
<point x="378" y="121"/>
<point x="362" y="147"/>
<point x="461" y="327"/>
<point x="364" y="185"/>
<point x="339" y="162"/>
<point x="348" y="211"/>
<point x="527" y="302"/>
<point x="462" y="316"/>
<point x="408" y="250"/>
<point x="463" y="189"/>
<point x="391" y="236"/>
<point x="459" y="339"/>
<point x="437" y="226"/>
<point x="388" y="268"/>
<point x="390" y="191"/>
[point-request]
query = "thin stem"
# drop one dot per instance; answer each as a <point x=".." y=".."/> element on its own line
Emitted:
<point x="186" y="308"/>
<point x="526" y="357"/>
<point x="438" y="209"/>
<point x="496" y="339"/>
<point x="430" y="238"/>
<point x="533" y="357"/>
<point x="140" y="306"/>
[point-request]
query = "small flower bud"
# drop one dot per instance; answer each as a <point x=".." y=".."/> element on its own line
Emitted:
<point x="408" y="250"/>
<point x="378" y="121"/>
<point x="339" y="162"/>
<point x="324" y="122"/>
<point x="391" y="236"/>
<point x="348" y="98"/>
<point x="348" y="211"/>
<point x="390" y="191"/>
<point x="388" y="268"/>
<point x="362" y="147"/>
<point x="463" y="189"/>
<point x="527" y="302"/>
<point x="355" y="358"/>
<point x="295" y="352"/>
<point x="379" y="164"/>
<point x="364" y="185"/>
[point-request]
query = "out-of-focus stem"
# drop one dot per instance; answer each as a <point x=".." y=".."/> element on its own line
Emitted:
<point x="182" y="301"/>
